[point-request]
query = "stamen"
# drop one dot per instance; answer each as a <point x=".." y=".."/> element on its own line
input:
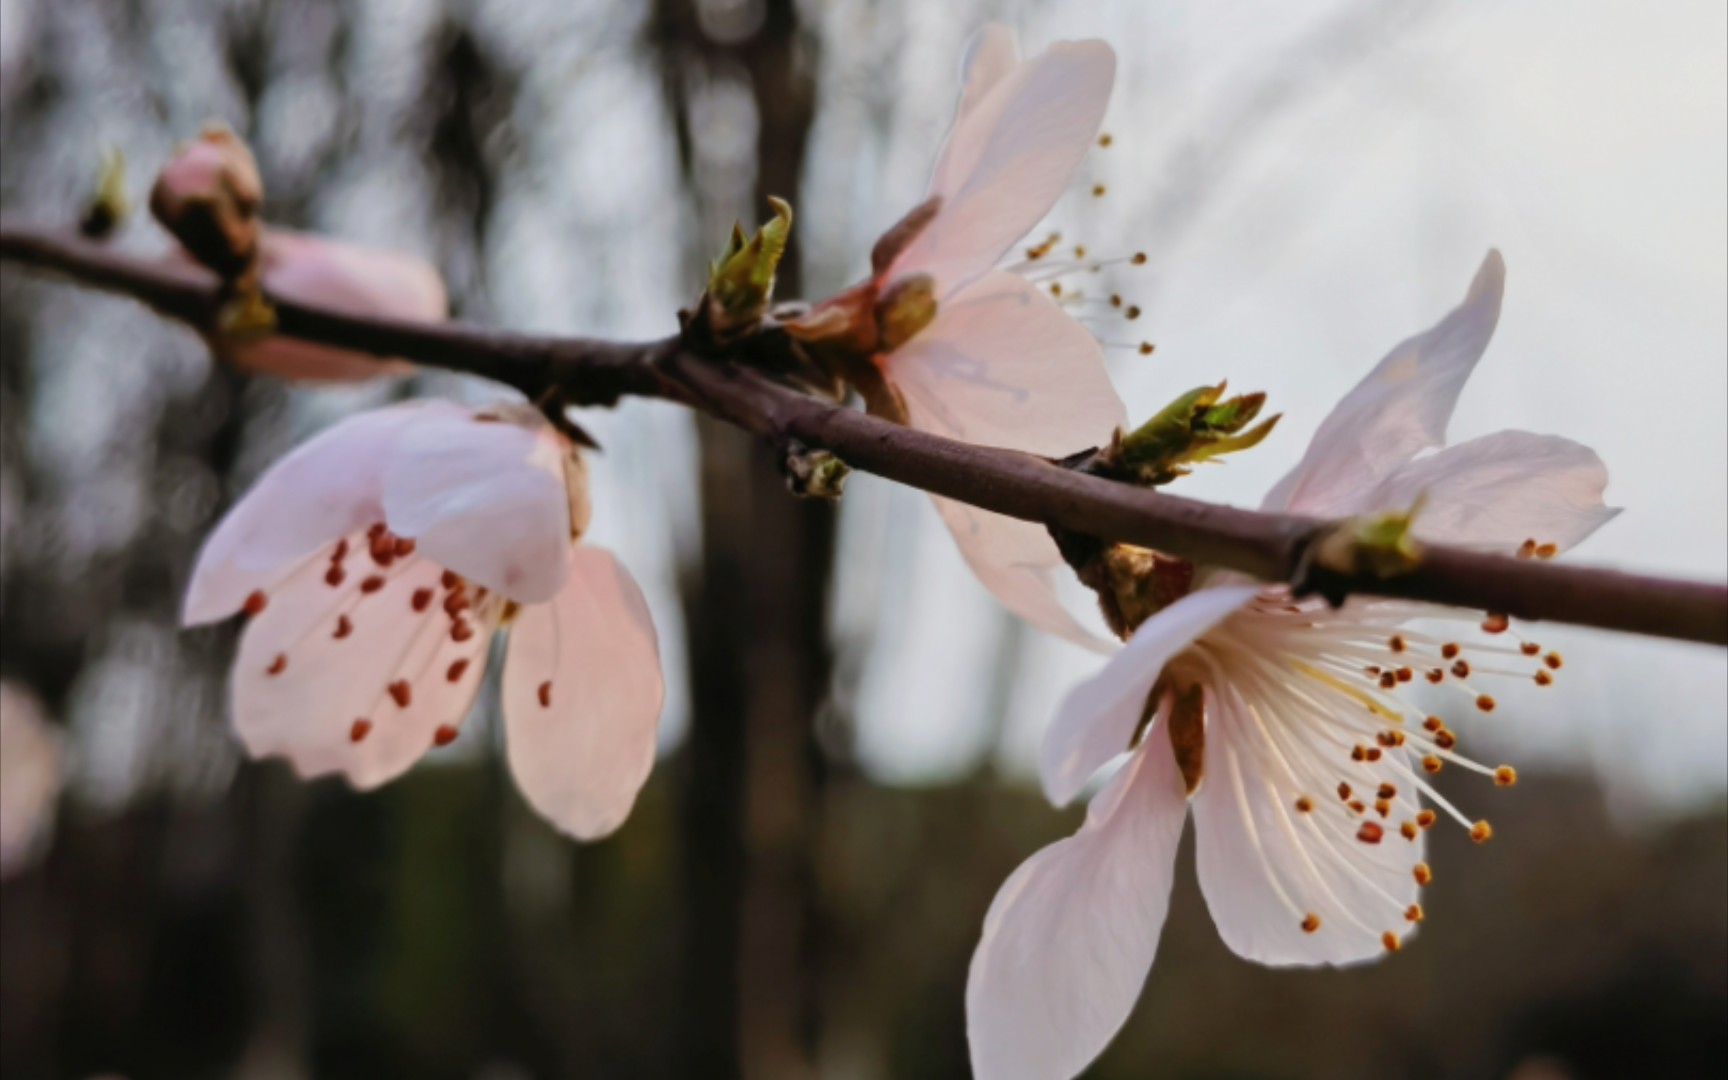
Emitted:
<point x="1408" y="830"/>
<point x="1426" y="818"/>
<point x="1370" y="832"/>
<point x="1485" y="703"/>
<point x="1106" y="139"/>
<point x="372" y="584"/>
<point x="1413" y="913"/>
<point x="402" y="692"/>
<point x="1481" y="832"/>
<point x="1305" y="805"/>
<point x="255" y="602"/>
<point x="1310" y="923"/>
<point x="444" y="736"/>
<point x="422" y="599"/>
<point x="1495" y="623"/>
<point x="344" y="627"/>
<point x="278" y="665"/>
<point x="334" y="576"/>
<point x="1423" y="873"/>
<point x="545" y="695"/>
<point x="1505" y="776"/>
<point x="1098" y="191"/>
<point x="457" y="667"/>
<point x="1390" y="941"/>
<point x="1553" y="661"/>
<point x="359" y="730"/>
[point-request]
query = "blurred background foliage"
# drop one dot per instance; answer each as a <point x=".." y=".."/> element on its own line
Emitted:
<point x="843" y="784"/>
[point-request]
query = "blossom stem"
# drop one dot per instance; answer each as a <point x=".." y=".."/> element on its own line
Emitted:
<point x="1272" y="547"/>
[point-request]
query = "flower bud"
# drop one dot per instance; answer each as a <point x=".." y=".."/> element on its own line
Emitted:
<point x="208" y="196"/>
<point x="741" y="281"/>
<point x="1198" y="426"/>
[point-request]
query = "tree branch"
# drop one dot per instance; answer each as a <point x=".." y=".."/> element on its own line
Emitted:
<point x="1272" y="547"/>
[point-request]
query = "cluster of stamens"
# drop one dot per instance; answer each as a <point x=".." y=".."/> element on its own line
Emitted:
<point x="368" y="571"/>
<point x="1047" y="263"/>
<point x="1385" y="747"/>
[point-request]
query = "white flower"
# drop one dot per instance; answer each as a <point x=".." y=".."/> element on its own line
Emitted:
<point x="375" y="563"/>
<point x="1000" y="363"/>
<point x="1282" y="723"/>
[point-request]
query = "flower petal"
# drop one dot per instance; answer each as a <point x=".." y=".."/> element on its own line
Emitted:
<point x="1018" y="562"/>
<point x="487" y="498"/>
<point x="1098" y="718"/>
<point x="321" y="671"/>
<point x="1008" y="158"/>
<point x="1002" y="365"/>
<point x="991" y="56"/>
<point x="326" y="488"/>
<point x="349" y="278"/>
<point x="582" y="697"/>
<point x="1399" y="410"/>
<point x="1071" y="935"/>
<point x="1495" y="492"/>
<point x="1266" y="865"/>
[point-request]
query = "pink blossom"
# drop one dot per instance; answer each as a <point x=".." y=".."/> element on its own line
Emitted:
<point x="1286" y="725"/>
<point x="376" y="562"/>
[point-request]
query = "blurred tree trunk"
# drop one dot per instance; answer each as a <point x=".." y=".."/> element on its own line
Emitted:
<point x="759" y="652"/>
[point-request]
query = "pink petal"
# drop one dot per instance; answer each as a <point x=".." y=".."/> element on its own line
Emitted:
<point x="1498" y="491"/>
<point x="1399" y="410"/>
<point x="582" y="697"/>
<point x="488" y="498"/>
<point x="1098" y="718"/>
<point x="1018" y="562"/>
<point x="327" y="487"/>
<point x="1002" y="365"/>
<point x="1009" y="157"/>
<point x="1071" y="935"/>
<point x="1265" y="865"/>
<point x="351" y="279"/>
<point x="313" y="679"/>
<point x="991" y="56"/>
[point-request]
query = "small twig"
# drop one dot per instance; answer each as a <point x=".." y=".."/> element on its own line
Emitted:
<point x="592" y="372"/>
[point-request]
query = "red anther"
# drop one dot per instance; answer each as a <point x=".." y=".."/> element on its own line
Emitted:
<point x="1461" y="669"/>
<point x="422" y="599"/>
<point x="1527" y="549"/>
<point x="402" y="692"/>
<point x="545" y="694"/>
<point x="359" y="730"/>
<point x="1426" y="818"/>
<point x="449" y="579"/>
<point x="1388" y="680"/>
<point x="1436" y="676"/>
<point x="1485" y="703"/>
<point x="1445" y="740"/>
<point x="1304" y="804"/>
<point x="444" y="736"/>
<point x="335" y="576"/>
<point x="455" y="602"/>
<point x="1407" y="830"/>
<point x="341" y="551"/>
<point x="1358" y="753"/>
<point x="1387" y="791"/>
<point x="1413" y="913"/>
<point x="1543" y="678"/>
<point x="1373" y="753"/>
<point x="255" y="602"/>
<point x="1390" y="941"/>
<point x="461" y="630"/>
<point x="1356" y="806"/>
<point x="1422" y="873"/>
<point x="375" y="530"/>
<point x="457" y="667"/>
<point x="1370" y="832"/>
<point x="1449" y="650"/>
<point x="1553" y="660"/>
<point x="1432" y="764"/>
<point x="404" y="547"/>
<point x="1405" y="674"/>
<point x="372" y="584"/>
<point x="278" y="665"/>
<point x="1343" y="791"/>
<point x="1495" y="623"/>
<point x="1398" y="644"/>
<point x="344" y="627"/>
<point x="1310" y="923"/>
<point x="1529" y="648"/>
<point x="1433" y="723"/>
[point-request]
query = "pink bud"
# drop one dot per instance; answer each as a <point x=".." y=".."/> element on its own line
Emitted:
<point x="208" y="196"/>
<point x="354" y="280"/>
